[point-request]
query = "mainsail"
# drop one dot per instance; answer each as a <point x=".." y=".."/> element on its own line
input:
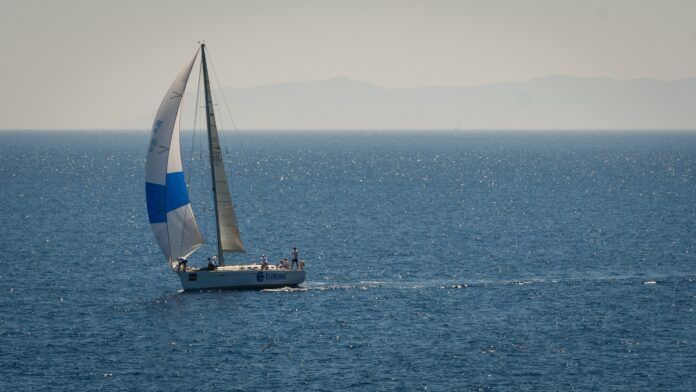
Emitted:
<point x="168" y="205"/>
<point x="229" y="239"/>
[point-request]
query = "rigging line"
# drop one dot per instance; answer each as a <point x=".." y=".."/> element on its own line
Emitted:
<point x="214" y="93"/>
<point x="206" y="180"/>
<point x="234" y="125"/>
<point x="187" y="173"/>
<point x="193" y="130"/>
<point x="194" y="133"/>
<point x="229" y="112"/>
<point x="203" y="164"/>
<point x="220" y="122"/>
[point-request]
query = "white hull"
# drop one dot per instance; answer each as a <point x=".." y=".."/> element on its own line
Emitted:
<point x="240" y="277"/>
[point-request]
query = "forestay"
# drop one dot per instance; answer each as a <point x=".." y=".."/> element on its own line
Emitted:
<point x="168" y="205"/>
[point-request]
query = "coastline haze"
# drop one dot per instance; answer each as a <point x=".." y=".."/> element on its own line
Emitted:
<point x="88" y="65"/>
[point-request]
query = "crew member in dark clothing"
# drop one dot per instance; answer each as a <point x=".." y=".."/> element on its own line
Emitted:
<point x="295" y="256"/>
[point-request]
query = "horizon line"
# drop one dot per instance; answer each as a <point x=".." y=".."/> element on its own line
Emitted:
<point x="357" y="130"/>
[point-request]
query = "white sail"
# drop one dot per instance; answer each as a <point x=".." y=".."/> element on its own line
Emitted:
<point x="168" y="203"/>
<point x="229" y="239"/>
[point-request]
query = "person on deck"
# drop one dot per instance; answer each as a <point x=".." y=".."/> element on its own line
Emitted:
<point x="181" y="262"/>
<point x="295" y="255"/>
<point x="286" y="263"/>
<point x="264" y="262"/>
<point x="212" y="263"/>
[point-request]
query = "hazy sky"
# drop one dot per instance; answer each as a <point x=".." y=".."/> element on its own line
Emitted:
<point x="94" y="64"/>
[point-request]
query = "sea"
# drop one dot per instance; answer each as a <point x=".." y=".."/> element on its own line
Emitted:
<point x="436" y="261"/>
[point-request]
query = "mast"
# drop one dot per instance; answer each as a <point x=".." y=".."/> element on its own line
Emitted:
<point x="228" y="238"/>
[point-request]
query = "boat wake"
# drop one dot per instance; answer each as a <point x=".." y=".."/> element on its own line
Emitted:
<point x="480" y="283"/>
<point x="285" y="290"/>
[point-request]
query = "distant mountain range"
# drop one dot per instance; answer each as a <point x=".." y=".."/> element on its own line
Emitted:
<point x="552" y="102"/>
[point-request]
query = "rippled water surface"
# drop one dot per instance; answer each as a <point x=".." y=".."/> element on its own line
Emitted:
<point x="436" y="261"/>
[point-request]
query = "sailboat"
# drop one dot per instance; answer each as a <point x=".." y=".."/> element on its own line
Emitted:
<point x="169" y="208"/>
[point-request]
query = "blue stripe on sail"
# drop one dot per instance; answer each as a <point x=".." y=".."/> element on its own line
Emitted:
<point x="156" y="196"/>
<point x="164" y="198"/>
<point x="177" y="195"/>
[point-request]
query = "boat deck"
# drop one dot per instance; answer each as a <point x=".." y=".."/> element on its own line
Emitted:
<point x="246" y="267"/>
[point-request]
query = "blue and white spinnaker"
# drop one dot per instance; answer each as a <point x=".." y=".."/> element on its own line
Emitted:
<point x="168" y="206"/>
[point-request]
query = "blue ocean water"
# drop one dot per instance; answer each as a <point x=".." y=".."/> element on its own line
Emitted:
<point x="436" y="261"/>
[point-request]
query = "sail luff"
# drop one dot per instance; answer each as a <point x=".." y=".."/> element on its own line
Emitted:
<point x="168" y="205"/>
<point x="229" y="239"/>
